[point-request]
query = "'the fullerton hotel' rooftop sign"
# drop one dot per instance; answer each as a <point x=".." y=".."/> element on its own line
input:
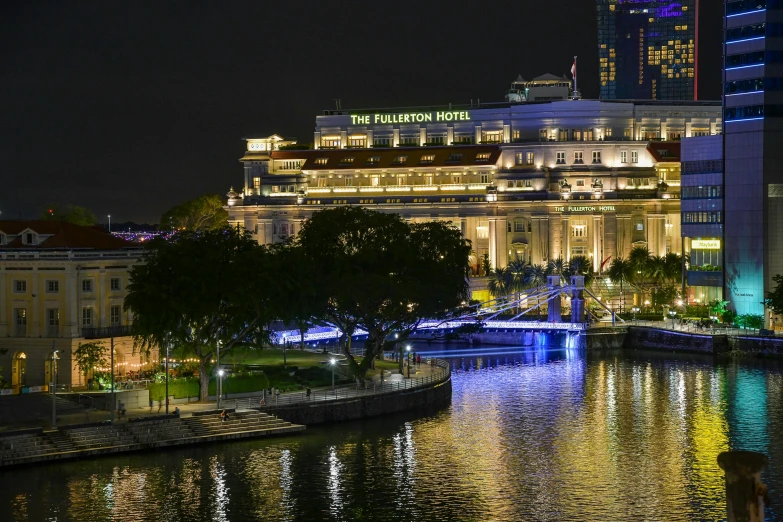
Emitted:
<point x="410" y="117"/>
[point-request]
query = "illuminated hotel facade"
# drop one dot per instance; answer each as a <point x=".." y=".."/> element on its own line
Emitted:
<point x="532" y="180"/>
<point x="648" y="49"/>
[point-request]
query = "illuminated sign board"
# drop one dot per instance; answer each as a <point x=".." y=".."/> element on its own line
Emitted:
<point x="600" y="208"/>
<point x="409" y="117"/>
<point x="705" y="244"/>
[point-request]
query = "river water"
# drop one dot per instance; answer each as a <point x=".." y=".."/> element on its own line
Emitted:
<point x="532" y="435"/>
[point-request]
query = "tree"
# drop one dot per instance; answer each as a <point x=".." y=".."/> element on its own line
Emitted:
<point x="89" y="356"/>
<point x="499" y="282"/>
<point x="199" y="289"/>
<point x="381" y="274"/>
<point x="621" y="272"/>
<point x="202" y="213"/>
<point x="774" y="300"/>
<point x="581" y="266"/>
<point x="73" y="214"/>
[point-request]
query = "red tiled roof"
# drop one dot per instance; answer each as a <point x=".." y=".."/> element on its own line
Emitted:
<point x="445" y="156"/>
<point x="664" y="151"/>
<point x="62" y="236"/>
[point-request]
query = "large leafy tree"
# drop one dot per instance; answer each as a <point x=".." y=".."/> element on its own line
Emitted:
<point x="73" y="214"/>
<point x="202" y="213"/>
<point x="381" y="274"/>
<point x="200" y="289"/>
<point x="774" y="300"/>
<point x="621" y="272"/>
<point x="88" y="356"/>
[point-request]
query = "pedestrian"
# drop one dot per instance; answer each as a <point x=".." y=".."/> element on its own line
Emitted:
<point x="176" y="411"/>
<point x="308" y="393"/>
<point x="223" y="416"/>
<point x="418" y="361"/>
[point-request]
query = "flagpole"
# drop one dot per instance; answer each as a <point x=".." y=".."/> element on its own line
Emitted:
<point x="574" y="77"/>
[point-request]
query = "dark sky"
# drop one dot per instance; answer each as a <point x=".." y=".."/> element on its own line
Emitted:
<point x="129" y="108"/>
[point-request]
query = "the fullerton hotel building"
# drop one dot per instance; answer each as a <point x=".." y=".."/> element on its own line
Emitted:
<point x="534" y="180"/>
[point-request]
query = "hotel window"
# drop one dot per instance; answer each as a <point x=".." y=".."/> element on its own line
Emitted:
<point x="382" y="142"/>
<point x="562" y="135"/>
<point x="700" y="132"/>
<point x="483" y="156"/>
<point x="463" y="138"/>
<point x="436" y="139"/>
<point x="323" y="181"/>
<point x="20" y="286"/>
<point x="52" y="321"/>
<point x="399" y="160"/>
<point x="256" y="183"/>
<point x="596" y="156"/>
<point x="482" y="230"/>
<point x="607" y="132"/>
<point x="560" y="157"/>
<point x="491" y="137"/>
<point x="330" y="143"/>
<point x="579" y="230"/>
<point x="426" y="160"/>
<point x="275" y="189"/>
<point x="410" y="139"/>
<point x="291" y="165"/>
<point x="519" y="158"/>
<point x="543" y="134"/>
<point x="349" y="181"/>
<point x="580" y="183"/>
<point x="456" y="178"/>
<point x="52" y="287"/>
<point x="20" y="314"/>
<point x="527" y="183"/>
<point x="115" y="284"/>
<point x="587" y="134"/>
<point x="375" y="181"/>
<point x="627" y="132"/>
<point x="578" y="157"/>
<point x="87" y="286"/>
<point x="318" y="161"/>
<point x="373" y="160"/>
<point x="578" y="251"/>
<point x="623" y="156"/>
<point x="87" y="316"/>
<point x="515" y="135"/>
<point x="348" y="160"/>
<point x="484" y="177"/>
<point x="401" y="179"/>
<point x="634" y="156"/>
<point x="454" y="158"/>
<point x="283" y="229"/>
<point x="576" y="135"/>
<point x="428" y="179"/>
<point x="115" y="315"/>
<point x="519" y="225"/>
<point x="358" y="141"/>
<point x="510" y="184"/>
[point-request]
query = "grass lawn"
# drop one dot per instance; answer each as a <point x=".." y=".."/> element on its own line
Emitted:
<point x="274" y="357"/>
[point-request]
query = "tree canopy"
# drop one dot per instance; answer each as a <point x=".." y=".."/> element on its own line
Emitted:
<point x="199" y="289"/>
<point x="202" y="213"/>
<point x="73" y="214"/>
<point x="774" y="300"/>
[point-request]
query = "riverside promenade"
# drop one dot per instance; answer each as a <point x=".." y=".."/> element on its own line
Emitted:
<point x="91" y="433"/>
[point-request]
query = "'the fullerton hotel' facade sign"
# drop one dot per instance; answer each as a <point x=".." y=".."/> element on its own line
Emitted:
<point x="591" y="208"/>
<point x="409" y="117"/>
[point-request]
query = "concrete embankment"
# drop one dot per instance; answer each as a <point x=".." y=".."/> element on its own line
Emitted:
<point x="651" y="338"/>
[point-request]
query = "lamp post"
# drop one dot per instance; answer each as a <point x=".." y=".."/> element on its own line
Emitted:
<point x="166" y="399"/>
<point x="54" y="387"/>
<point x="635" y="311"/>
<point x="109" y="216"/>
<point x="219" y="387"/>
<point x="113" y="405"/>
<point x="217" y="365"/>
<point x="408" y="356"/>
<point x="332" y="362"/>
<point x="672" y="314"/>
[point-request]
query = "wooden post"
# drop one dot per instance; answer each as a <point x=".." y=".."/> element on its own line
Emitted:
<point x="746" y="495"/>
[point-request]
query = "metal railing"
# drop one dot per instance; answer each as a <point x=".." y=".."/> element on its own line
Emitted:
<point x="110" y="331"/>
<point x="440" y="372"/>
<point x="693" y="328"/>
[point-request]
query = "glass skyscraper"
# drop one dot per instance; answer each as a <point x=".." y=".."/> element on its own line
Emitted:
<point x="647" y="49"/>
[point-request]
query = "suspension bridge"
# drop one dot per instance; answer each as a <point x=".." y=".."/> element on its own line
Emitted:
<point x="493" y="315"/>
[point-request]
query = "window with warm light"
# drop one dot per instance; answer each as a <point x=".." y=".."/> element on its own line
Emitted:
<point x="578" y="157"/>
<point x="560" y="155"/>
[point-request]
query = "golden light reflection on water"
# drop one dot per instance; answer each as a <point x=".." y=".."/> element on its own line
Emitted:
<point x="540" y="438"/>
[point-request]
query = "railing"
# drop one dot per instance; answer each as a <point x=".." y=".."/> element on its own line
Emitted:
<point x="110" y="331"/>
<point x="440" y="373"/>
<point x="693" y="328"/>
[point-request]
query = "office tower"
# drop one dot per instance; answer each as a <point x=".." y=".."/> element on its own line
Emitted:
<point x="753" y="150"/>
<point x="647" y="49"/>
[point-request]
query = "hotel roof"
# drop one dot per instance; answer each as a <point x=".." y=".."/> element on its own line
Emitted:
<point x="59" y="235"/>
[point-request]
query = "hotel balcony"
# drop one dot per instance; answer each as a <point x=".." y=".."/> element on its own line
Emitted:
<point x="103" y="333"/>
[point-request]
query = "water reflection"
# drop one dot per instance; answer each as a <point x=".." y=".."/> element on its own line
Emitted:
<point x="532" y="434"/>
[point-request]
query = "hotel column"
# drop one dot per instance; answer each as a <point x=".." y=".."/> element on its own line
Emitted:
<point x="502" y="241"/>
<point x="450" y="135"/>
<point x="422" y="135"/>
<point x="656" y="234"/>
<point x="597" y="243"/>
<point x="317" y="140"/>
<point x="264" y="236"/>
<point x="493" y="243"/>
<point x="555" y="245"/>
<point x="34" y="324"/>
<point x="102" y="300"/>
<point x="343" y="139"/>
<point x="565" y="235"/>
<point x="540" y="239"/>
<point x="477" y="134"/>
<point x="72" y="303"/>
<point x="396" y="137"/>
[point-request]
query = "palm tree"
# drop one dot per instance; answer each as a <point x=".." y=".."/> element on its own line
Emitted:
<point x="621" y="272"/>
<point x="498" y="283"/>
<point x="673" y="267"/>
<point x="640" y="261"/>
<point x="535" y="276"/>
<point x="517" y="270"/>
<point x="580" y="265"/>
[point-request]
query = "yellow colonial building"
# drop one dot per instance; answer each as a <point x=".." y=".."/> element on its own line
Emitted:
<point x="60" y="285"/>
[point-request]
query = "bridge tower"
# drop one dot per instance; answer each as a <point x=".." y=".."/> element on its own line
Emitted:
<point x="553" y="315"/>
<point x="577" y="299"/>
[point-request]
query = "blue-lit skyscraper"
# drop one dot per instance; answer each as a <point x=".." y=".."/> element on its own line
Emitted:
<point x="647" y="49"/>
<point x="753" y="150"/>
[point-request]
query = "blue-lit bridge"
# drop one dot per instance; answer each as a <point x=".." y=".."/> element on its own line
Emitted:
<point x="491" y="316"/>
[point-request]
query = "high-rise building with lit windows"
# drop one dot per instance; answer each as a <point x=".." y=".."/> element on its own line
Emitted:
<point x="648" y="49"/>
<point x="753" y="151"/>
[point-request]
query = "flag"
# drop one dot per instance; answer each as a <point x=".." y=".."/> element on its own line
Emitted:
<point x="605" y="261"/>
<point x="573" y="69"/>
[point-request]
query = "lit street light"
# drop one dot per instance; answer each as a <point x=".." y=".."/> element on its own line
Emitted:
<point x="672" y="314"/>
<point x="408" y="349"/>
<point x="219" y="387"/>
<point x="109" y="216"/>
<point x="635" y="311"/>
<point x="332" y="362"/>
<point x="54" y="388"/>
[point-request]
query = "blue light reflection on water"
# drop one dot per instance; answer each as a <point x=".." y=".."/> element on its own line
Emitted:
<point x="533" y="433"/>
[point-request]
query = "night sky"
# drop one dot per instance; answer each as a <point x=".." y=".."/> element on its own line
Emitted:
<point x="129" y="108"/>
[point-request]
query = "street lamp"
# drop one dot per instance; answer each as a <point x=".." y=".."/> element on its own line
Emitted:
<point x="408" y="350"/>
<point x="332" y="362"/>
<point x="635" y="311"/>
<point x="109" y="216"/>
<point x="217" y="364"/>
<point x="672" y="314"/>
<point x="219" y="387"/>
<point x="54" y="388"/>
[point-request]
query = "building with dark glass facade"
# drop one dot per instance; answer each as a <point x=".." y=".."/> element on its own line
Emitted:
<point x="753" y="151"/>
<point x="647" y="49"/>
